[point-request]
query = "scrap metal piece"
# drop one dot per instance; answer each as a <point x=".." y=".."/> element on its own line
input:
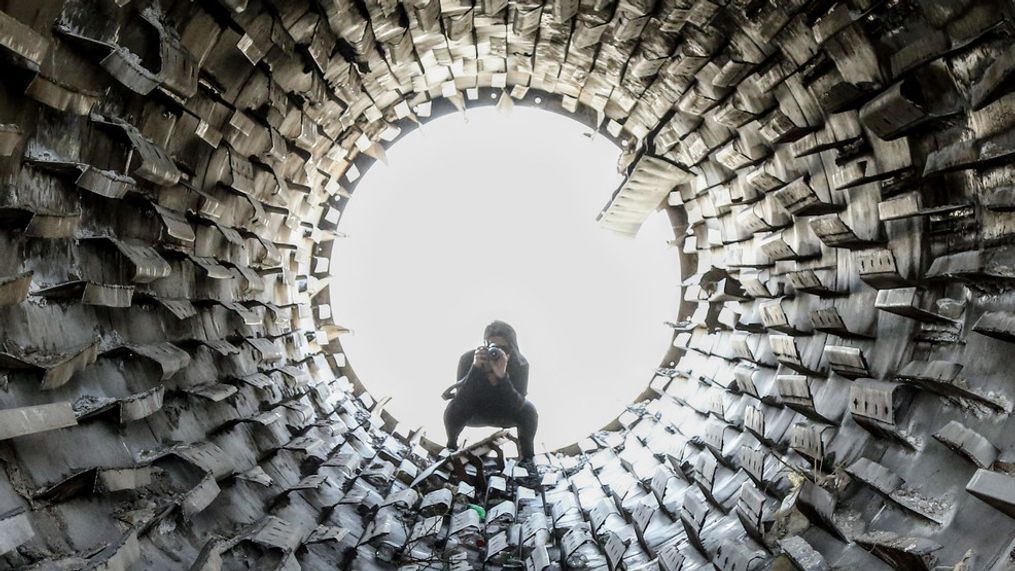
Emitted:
<point x="15" y="529"/>
<point x="14" y="289"/>
<point x="170" y="358"/>
<point x="127" y="409"/>
<point x="90" y="293"/>
<point x="645" y="188"/>
<point x="10" y="136"/>
<point x="995" y="488"/>
<point x="23" y="41"/>
<point x="56" y="368"/>
<point x="153" y="163"/>
<point x="26" y="420"/>
<point x="969" y="443"/>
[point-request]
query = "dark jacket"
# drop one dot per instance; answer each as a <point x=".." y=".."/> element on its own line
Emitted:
<point x="506" y="396"/>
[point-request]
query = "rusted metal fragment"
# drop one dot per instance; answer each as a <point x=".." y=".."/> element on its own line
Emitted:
<point x="15" y="529"/>
<point x="26" y="420"/>
<point x="14" y="289"/>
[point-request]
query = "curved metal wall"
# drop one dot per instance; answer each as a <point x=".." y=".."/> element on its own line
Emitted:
<point x="174" y="393"/>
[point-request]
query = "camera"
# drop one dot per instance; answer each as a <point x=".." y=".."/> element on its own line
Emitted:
<point x="495" y="352"/>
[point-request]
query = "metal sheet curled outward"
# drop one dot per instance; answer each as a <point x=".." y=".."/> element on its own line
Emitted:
<point x="15" y="529"/>
<point x="153" y="163"/>
<point x="124" y="410"/>
<point x="995" y="488"/>
<point x="148" y="264"/>
<point x="56" y="368"/>
<point x="22" y="41"/>
<point x="14" y="289"/>
<point x="27" y="420"/>
<point x="169" y="357"/>
<point x="105" y="183"/>
<point x="93" y="481"/>
<point x="648" y="184"/>
<point x="969" y="443"/>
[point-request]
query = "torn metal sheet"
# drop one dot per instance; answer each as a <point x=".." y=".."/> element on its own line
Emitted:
<point x="215" y="392"/>
<point x="170" y="358"/>
<point x="154" y="164"/>
<point x="200" y="496"/>
<point x="124" y="410"/>
<point x="23" y="41"/>
<point x="21" y="421"/>
<point x="277" y="533"/>
<point x="57" y="368"/>
<point x="90" y="293"/>
<point x="104" y="183"/>
<point x="15" y="529"/>
<point x="96" y="481"/>
<point x="14" y="289"/>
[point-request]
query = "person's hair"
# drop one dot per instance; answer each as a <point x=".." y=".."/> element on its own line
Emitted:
<point x="501" y="329"/>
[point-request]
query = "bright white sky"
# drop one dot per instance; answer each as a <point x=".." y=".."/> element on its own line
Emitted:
<point x="494" y="218"/>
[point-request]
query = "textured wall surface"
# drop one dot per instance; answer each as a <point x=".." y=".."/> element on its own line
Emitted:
<point x="838" y="175"/>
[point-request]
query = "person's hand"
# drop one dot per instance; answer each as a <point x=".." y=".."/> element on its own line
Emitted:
<point x="498" y="367"/>
<point x="481" y="359"/>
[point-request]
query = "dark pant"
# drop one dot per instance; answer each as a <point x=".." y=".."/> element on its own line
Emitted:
<point x="461" y="413"/>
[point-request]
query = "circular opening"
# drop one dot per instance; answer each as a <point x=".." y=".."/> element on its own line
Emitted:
<point x="495" y="219"/>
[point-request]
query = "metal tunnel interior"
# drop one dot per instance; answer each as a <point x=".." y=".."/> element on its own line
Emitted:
<point x="837" y="174"/>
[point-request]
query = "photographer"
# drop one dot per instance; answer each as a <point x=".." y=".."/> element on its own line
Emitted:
<point x="493" y="382"/>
